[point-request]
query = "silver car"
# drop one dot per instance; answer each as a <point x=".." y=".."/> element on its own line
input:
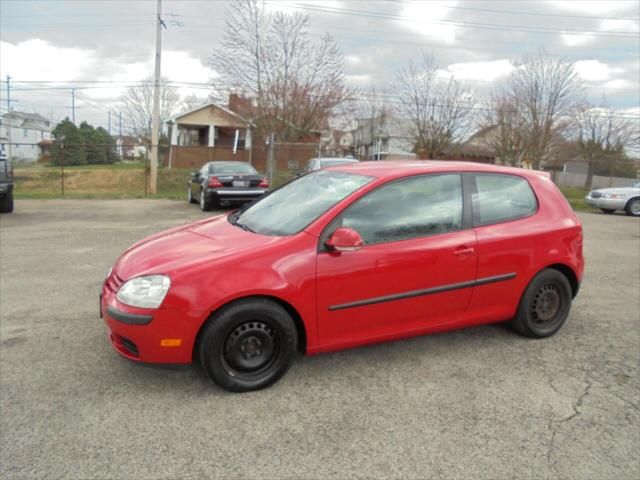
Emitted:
<point x="324" y="162"/>
<point x="611" y="199"/>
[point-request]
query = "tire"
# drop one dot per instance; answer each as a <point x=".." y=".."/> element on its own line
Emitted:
<point x="633" y="207"/>
<point x="248" y="345"/>
<point x="190" y="198"/>
<point x="545" y="305"/>
<point x="607" y="210"/>
<point x="205" y="205"/>
<point x="6" y="203"/>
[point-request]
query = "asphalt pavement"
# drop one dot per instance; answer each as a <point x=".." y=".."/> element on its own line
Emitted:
<point x="477" y="403"/>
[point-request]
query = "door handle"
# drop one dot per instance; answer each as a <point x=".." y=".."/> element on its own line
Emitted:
<point x="464" y="251"/>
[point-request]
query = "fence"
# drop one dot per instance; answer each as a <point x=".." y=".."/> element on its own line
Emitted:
<point x="62" y="171"/>
<point x="578" y="179"/>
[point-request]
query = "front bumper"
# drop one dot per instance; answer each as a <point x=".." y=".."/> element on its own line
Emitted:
<point x="161" y="335"/>
<point x="232" y="195"/>
<point x="606" y="203"/>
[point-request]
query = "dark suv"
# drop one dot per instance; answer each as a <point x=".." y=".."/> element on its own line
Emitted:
<point x="6" y="184"/>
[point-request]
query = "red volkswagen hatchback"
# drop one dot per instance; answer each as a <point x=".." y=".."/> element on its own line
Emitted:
<point x="348" y="256"/>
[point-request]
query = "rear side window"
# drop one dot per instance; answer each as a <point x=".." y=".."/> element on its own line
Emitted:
<point x="500" y="198"/>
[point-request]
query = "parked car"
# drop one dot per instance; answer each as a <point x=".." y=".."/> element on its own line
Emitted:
<point x="348" y="256"/>
<point x="611" y="199"/>
<point x="220" y="184"/>
<point x="6" y="184"/>
<point x="324" y="162"/>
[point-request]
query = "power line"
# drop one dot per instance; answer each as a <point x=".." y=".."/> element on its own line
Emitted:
<point x="473" y="25"/>
<point x="513" y="12"/>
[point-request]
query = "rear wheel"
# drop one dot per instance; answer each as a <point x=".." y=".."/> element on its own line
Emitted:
<point x="205" y="205"/>
<point x="248" y="345"/>
<point x="6" y="203"/>
<point x="633" y="207"/>
<point x="607" y="210"/>
<point x="545" y="305"/>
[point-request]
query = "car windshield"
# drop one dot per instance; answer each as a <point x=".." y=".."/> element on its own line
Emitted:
<point x="336" y="161"/>
<point x="231" y="168"/>
<point x="294" y="206"/>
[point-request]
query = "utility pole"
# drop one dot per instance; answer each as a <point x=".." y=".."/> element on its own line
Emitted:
<point x="9" y="111"/>
<point x="73" y="105"/>
<point x="155" y="122"/>
<point x="120" y="141"/>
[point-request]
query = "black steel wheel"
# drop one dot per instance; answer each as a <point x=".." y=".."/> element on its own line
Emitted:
<point x="545" y="305"/>
<point x="248" y="345"/>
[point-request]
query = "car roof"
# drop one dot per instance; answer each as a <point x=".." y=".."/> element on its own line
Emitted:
<point x="228" y="162"/>
<point x="341" y="159"/>
<point x="403" y="168"/>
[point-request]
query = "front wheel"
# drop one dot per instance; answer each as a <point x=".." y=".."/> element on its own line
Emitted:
<point x="6" y="203"/>
<point x="190" y="198"/>
<point x="545" y="305"/>
<point x="633" y="207"/>
<point x="248" y="345"/>
<point x="607" y="210"/>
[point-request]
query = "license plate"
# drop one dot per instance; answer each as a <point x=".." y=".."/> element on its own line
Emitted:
<point x="240" y="183"/>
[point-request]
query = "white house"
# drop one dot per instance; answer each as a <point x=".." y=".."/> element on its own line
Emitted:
<point x="384" y="137"/>
<point x="22" y="132"/>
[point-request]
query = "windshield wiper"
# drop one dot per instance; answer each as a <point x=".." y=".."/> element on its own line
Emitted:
<point x="243" y="226"/>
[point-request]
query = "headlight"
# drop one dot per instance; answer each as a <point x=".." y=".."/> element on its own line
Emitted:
<point x="144" y="292"/>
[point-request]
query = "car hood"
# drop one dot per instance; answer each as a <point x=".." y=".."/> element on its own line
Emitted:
<point x="189" y="246"/>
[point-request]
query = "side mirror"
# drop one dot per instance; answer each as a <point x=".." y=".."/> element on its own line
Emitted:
<point x="344" y="240"/>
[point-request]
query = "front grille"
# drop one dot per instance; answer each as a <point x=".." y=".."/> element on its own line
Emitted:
<point x="596" y="194"/>
<point x="129" y="346"/>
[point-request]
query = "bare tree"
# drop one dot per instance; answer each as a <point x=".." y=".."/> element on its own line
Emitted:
<point x="137" y="103"/>
<point x="505" y="130"/>
<point x="268" y="56"/>
<point x="440" y="110"/>
<point x="543" y="92"/>
<point x="602" y="136"/>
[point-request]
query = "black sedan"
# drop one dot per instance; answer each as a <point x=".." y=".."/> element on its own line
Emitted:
<point x="220" y="184"/>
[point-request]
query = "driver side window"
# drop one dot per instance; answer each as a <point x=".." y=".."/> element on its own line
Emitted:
<point x="416" y="207"/>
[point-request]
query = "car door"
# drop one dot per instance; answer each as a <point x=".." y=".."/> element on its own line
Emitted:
<point x="416" y="268"/>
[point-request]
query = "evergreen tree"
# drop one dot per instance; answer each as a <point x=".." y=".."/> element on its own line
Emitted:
<point x="93" y="142"/>
<point x="68" y="145"/>
<point x="108" y="145"/>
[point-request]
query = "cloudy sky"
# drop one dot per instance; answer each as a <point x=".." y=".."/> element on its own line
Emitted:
<point x="101" y="46"/>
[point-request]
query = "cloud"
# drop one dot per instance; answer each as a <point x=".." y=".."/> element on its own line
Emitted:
<point x="424" y="16"/>
<point x="357" y="79"/>
<point x="592" y="6"/>
<point x="573" y="40"/>
<point x="617" y="84"/>
<point x="481" y="71"/>
<point x="38" y="60"/>
<point x="595" y="70"/>
<point x="619" y="25"/>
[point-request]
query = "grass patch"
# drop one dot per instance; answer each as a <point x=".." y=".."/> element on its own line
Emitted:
<point x="575" y="197"/>
<point x="99" y="181"/>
